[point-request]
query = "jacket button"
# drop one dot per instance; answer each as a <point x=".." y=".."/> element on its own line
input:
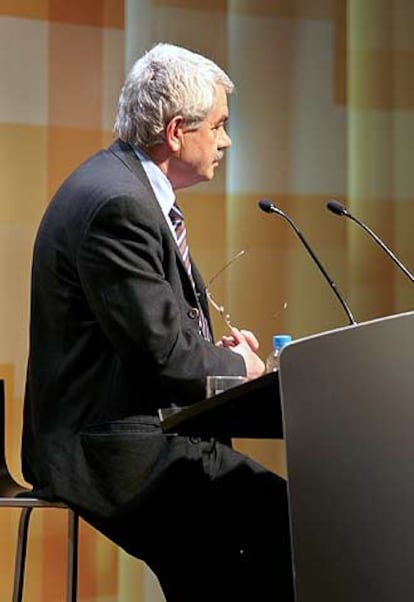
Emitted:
<point x="194" y="313"/>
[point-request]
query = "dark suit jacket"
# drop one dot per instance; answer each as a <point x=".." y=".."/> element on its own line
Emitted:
<point x="113" y="337"/>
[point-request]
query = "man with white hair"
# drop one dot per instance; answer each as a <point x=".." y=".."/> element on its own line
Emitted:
<point x="120" y="327"/>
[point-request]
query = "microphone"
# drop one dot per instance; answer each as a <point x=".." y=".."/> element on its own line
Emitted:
<point x="268" y="207"/>
<point x="337" y="208"/>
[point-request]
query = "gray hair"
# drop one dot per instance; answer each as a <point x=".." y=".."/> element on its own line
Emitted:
<point x="166" y="81"/>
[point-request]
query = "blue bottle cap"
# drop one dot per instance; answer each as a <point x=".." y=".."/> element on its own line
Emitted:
<point x="279" y="340"/>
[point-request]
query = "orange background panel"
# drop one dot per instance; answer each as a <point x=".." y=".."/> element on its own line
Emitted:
<point x="53" y="583"/>
<point x="67" y="147"/>
<point x="206" y="212"/>
<point x="32" y="9"/>
<point x="98" y="13"/>
<point x="107" y="138"/>
<point x="404" y="81"/>
<point x="75" y="90"/>
<point x="22" y="172"/>
<point x="77" y="12"/>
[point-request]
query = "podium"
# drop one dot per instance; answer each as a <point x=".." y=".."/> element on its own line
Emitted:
<point x="348" y="417"/>
<point x="344" y="402"/>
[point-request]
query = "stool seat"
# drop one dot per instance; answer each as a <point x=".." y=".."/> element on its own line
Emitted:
<point x="15" y="495"/>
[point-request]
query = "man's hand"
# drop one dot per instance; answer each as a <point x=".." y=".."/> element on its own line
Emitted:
<point x="245" y="343"/>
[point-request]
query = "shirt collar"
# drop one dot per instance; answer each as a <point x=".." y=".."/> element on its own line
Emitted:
<point x="159" y="182"/>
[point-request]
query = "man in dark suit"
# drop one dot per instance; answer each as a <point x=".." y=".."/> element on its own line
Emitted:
<point x="120" y="327"/>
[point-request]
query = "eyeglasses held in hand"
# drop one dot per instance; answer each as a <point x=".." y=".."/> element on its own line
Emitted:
<point x="220" y="308"/>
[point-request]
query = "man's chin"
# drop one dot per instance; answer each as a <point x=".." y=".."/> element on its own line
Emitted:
<point x="210" y="174"/>
<point x="198" y="178"/>
<point x="204" y="177"/>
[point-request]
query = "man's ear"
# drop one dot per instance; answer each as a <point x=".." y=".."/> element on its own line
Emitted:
<point x="174" y="133"/>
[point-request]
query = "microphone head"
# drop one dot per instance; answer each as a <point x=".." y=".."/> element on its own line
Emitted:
<point x="266" y="205"/>
<point x="336" y="207"/>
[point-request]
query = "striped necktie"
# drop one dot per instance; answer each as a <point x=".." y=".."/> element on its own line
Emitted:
<point x="177" y="219"/>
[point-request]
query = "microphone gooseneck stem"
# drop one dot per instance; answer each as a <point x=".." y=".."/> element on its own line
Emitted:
<point x="269" y="207"/>
<point x="339" y="209"/>
<point x="382" y="245"/>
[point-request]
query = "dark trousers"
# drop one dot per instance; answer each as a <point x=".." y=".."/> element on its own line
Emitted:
<point x="228" y="538"/>
<point x="215" y="529"/>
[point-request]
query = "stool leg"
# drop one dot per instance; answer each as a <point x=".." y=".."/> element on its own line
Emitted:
<point x="72" y="566"/>
<point x="19" y="566"/>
